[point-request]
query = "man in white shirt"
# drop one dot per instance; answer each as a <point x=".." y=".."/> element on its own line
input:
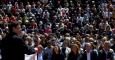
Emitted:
<point x="89" y="53"/>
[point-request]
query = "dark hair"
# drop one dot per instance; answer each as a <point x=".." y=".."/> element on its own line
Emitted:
<point x="59" y="50"/>
<point x="11" y="25"/>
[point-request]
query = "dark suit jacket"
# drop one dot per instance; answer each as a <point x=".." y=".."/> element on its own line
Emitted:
<point x="94" y="55"/>
<point x="57" y="57"/>
<point x="103" y="55"/>
<point x="73" y="56"/>
<point x="14" y="48"/>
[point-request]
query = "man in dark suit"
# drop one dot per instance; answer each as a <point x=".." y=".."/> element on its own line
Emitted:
<point x="89" y="53"/>
<point x="13" y="46"/>
<point x="106" y="53"/>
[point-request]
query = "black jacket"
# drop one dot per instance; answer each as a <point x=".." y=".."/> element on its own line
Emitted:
<point x="73" y="56"/>
<point x="93" y="56"/>
<point x="14" y="48"/>
<point x="104" y="56"/>
<point x="57" y="57"/>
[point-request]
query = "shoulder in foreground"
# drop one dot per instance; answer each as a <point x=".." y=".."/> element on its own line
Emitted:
<point x="16" y="37"/>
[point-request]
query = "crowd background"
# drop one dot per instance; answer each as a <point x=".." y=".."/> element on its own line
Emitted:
<point x="63" y="27"/>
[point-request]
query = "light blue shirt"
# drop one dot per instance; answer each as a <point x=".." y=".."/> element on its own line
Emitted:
<point x="49" y="52"/>
<point x="40" y="56"/>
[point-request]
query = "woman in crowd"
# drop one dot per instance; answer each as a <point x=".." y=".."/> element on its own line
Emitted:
<point x="74" y="54"/>
<point x="56" y="55"/>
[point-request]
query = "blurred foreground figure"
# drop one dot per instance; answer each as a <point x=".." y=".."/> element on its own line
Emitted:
<point x="13" y="46"/>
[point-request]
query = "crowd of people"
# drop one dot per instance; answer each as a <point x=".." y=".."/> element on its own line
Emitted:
<point x="63" y="29"/>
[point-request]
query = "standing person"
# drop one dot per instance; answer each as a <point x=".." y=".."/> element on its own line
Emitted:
<point x="74" y="54"/>
<point x="56" y="55"/>
<point x="89" y="53"/>
<point x="47" y="54"/>
<point x="65" y="50"/>
<point x="13" y="46"/>
<point x="106" y="53"/>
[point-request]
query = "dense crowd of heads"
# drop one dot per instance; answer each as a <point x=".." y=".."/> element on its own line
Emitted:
<point x="61" y="23"/>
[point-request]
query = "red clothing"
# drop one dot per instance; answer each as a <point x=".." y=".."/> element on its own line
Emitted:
<point x="13" y="10"/>
<point x="34" y="25"/>
<point x="12" y="19"/>
<point x="48" y="30"/>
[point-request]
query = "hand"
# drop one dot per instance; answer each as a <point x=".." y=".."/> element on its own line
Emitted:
<point x="36" y="49"/>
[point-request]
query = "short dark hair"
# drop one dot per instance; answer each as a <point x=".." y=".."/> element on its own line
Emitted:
<point x="11" y="25"/>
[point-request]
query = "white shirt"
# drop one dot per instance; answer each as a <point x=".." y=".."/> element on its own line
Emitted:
<point x="88" y="56"/>
<point x="40" y="56"/>
<point x="30" y="57"/>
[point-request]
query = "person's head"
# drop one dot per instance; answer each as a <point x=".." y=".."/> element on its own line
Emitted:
<point x="40" y="48"/>
<point x="78" y="43"/>
<point x="67" y="34"/>
<point x="75" y="48"/>
<point x="28" y="3"/>
<point x="37" y="40"/>
<point x="14" y="27"/>
<point x="65" y="44"/>
<point x="108" y="28"/>
<point x="49" y="45"/>
<point x="104" y="39"/>
<point x="29" y="39"/>
<point x="56" y="49"/>
<point x="90" y="39"/>
<point x="106" y="45"/>
<point x="88" y="47"/>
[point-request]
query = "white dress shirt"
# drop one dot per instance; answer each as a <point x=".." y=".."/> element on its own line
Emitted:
<point x="89" y="56"/>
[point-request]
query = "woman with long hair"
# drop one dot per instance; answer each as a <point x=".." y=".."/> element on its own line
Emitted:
<point x="56" y="55"/>
<point x="74" y="54"/>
